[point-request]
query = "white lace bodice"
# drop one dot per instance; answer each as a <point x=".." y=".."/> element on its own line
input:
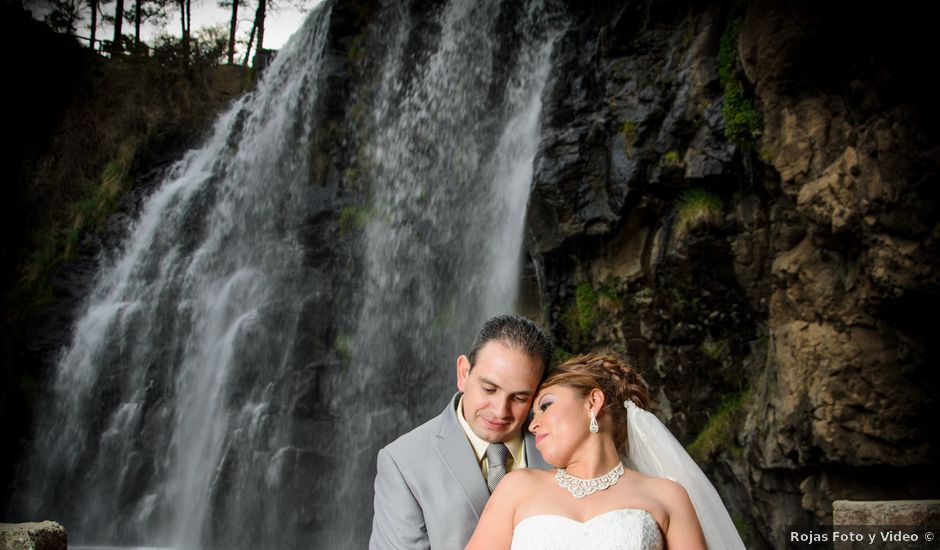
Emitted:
<point x="626" y="529"/>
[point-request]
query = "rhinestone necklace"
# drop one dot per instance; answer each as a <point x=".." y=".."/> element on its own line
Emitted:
<point x="583" y="487"/>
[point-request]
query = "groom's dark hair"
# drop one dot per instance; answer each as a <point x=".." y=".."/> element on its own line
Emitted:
<point x="517" y="332"/>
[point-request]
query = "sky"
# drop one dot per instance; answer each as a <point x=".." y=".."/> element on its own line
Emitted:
<point x="279" y="25"/>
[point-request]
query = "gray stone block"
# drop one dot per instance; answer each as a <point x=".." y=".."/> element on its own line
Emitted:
<point x="886" y="512"/>
<point x="44" y="535"/>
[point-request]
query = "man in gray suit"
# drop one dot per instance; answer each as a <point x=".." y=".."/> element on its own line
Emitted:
<point x="433" y="482"/>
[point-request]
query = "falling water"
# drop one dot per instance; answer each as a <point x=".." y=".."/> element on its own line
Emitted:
<point x="276" y="316"/>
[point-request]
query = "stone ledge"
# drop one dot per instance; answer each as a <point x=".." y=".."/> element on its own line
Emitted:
<point x="886" y="512"/>
<point x="44" y="535"/>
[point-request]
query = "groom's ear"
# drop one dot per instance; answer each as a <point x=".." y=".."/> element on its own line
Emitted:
<point x="463" y="371"/>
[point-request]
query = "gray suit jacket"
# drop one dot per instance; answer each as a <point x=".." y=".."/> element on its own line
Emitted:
<point x="429" y="492"/>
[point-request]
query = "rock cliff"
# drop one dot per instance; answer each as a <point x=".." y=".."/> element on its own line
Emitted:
<point x="743" y="199"/>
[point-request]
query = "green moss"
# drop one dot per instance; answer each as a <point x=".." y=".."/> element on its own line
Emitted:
<point x="60" y="244"/>
<point x="766" y="155"/>
<point x="353" y="218"/>
<point x="743" y="122"/>
<point x="673" y="159"/>
<point x="643" y="297"/>
<point x="698" y="199"/>
<point x="586" y="300"/>
<point x="685" y="302"/>
<point x="714" y="349"/>
<point x="351" y="177"/>
<point x="342" y="347"/>
<point x="629" y="133"/>
<point x="610" y="294"/>
<point x="697" y="206"/>
<point x="720" y="430"/>
<point x="728" y="52"/>
<point x="90" y="213"/>
<point x="319" y="165"/>
<point x="569" y="319"/>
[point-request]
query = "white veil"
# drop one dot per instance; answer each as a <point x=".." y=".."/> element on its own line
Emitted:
<point x="655" y="452"/>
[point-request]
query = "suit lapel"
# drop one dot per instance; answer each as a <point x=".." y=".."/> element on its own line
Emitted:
<point x="533" y="456"/>
<point x="455" y="451"/>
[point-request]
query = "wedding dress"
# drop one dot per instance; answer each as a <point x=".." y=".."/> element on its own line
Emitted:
<point x="625" y="529"/>
<point x="655" y="452"/>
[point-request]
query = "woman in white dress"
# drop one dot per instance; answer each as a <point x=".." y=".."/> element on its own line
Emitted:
<point x="588" y="410"/>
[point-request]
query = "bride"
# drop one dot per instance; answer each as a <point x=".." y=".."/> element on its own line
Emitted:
<point x="586" y="411"/>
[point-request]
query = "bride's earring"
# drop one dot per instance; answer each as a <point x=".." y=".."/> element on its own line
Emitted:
<point x="593" y="425"/>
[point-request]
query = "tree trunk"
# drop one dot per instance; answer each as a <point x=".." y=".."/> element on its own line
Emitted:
<point x="251" y="38"/>
<point x="184" y="24"/>
<point x="137" y="15"/>
<point x="231" y="33"/>
<point x="116" y="45"/>
<point x="94" y="23"/>
<point x="259" y="22"/>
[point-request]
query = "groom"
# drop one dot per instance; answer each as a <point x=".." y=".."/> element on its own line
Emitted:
<point x="433" y="482"/>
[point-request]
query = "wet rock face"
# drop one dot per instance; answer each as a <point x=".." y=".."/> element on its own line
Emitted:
<point x="632" y="121"/>
<point x="800" y="305"/>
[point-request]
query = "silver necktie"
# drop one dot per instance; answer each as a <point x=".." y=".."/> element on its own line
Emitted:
<point x="496" y="455"/>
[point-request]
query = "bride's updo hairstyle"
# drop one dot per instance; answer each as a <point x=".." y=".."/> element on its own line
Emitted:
<point x="612" y="375"/>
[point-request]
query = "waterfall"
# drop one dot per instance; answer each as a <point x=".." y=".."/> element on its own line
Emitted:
<point x="296" y="291"/>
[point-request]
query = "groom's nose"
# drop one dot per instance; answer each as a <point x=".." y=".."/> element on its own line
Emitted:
<point x="501" y="407"/>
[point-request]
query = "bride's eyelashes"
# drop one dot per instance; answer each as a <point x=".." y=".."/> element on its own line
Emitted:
<point x="544" y="403"/>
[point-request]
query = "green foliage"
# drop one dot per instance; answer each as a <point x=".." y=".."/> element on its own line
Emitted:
<point x="85" y="215"/>
<point x="569" y="319"/>
<point x="586" y="300"/>
<point x="610" y="291"/>
<point x="133" y="109"/>
<point x="728" y="52"/>
<point x="766" y="155"/>
<point x="743" y="122"/>
<point x="643" y="297"/>
<point x="673" y="159"/>
<point x="698" y="207"/>
<point x="686" y="302"/>
<point x="65" y="15"/>
<point x="207" y="48"/>
<point x="695" y="200"/>
<point x="720" y="430"/>
<point x="580" y="316"/>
